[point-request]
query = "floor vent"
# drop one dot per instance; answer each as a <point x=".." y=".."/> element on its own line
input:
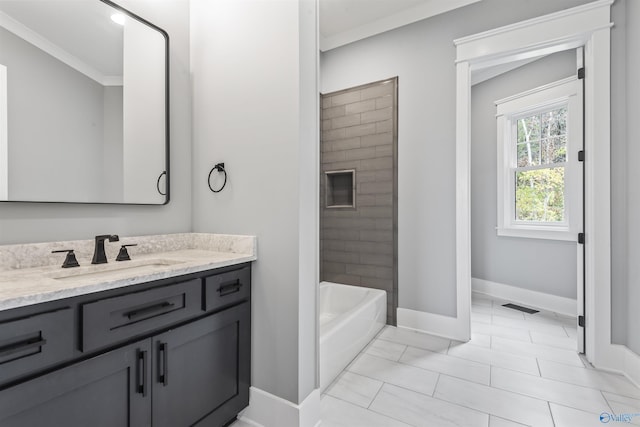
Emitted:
<point x="521" y="308"/>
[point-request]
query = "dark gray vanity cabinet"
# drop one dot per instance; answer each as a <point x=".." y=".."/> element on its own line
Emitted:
<point x="200" y="367"/>
<point x="155" y="355"/>
<point x="105" y="391"/>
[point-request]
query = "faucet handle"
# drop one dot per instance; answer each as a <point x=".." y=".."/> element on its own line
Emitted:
<point x="70" y="260"/>
<point x="123" y="255"/>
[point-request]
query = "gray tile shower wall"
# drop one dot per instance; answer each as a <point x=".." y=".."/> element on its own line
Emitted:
<point x="358" y="242"/>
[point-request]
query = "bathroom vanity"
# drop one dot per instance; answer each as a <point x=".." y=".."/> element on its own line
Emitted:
<point x="163" y="340"/>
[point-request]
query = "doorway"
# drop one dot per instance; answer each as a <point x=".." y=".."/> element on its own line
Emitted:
<point x="589" y="26"/>
<point x="527" y="190"/>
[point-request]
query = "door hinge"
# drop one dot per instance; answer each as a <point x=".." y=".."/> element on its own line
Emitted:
<point x="581" y="238"/>
<point x="581" y="321"/>
<point x="581" y="156"/>
<point x="581" y="73"/>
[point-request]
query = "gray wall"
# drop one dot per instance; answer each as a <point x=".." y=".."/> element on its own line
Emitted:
<point x="547" y="266"/>
<point x="255" y="104"/>
<point x="422" y="55"/>
<point x="24" y="223"/>
<point x="357" y="244"/>
<point x="112" y="147"/>
<point x="70" y="124"/>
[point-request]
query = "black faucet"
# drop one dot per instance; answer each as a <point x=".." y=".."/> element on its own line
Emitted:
<point x="99" y="257"/>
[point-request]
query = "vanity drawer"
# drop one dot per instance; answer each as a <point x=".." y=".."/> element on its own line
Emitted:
<point x="119" y="318"/>
<point x="34" y="342"/>
<point x="227" y="288"/>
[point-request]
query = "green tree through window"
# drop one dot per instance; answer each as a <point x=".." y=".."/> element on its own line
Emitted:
<point x="541" y="153"/>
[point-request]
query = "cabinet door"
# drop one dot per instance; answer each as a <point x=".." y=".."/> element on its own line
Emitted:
<point x="201" y="370"/>
<point x="105" y="391"/>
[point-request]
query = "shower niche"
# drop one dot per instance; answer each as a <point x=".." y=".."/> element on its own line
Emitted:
<point x="341" y="189"/>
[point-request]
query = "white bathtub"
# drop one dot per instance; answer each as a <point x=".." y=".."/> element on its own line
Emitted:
<point x="350" y="316"/>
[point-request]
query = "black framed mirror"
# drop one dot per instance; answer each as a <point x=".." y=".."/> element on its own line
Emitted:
<point x="84" y="104"/>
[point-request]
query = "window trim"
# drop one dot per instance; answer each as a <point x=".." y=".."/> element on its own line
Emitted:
<point x="553" y="95"/>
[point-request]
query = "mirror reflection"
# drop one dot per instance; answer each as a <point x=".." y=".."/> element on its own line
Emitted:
<point x="83" y="104"/>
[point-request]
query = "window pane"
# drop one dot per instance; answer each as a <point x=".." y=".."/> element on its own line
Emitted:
<point x="554" y="123"/>
<point x="540" y="195"/>
<point x="554" y="150"/>
<point x="529" y="154"/>
<point x="542" y="138"/>
<point x="529" y="129"/>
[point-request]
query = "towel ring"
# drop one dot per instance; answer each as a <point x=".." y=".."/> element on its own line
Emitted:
<point x="158" y="183"/>
<point x="220" y="168"/>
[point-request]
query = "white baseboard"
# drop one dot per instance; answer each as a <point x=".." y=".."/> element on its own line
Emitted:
<point x="527" y="297"/>
<point x="624" y="361"/>
<point x="631" y="365"/>
<point x="268" y="410"/>
<point x="431" y="323"/>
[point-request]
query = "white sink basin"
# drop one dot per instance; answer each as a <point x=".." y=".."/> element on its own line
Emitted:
<point x="115" y="269"/>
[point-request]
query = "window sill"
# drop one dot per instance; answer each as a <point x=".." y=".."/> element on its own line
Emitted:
<point x="538" y="233"/>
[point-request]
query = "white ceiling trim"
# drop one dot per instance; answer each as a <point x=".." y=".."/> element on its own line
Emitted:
<point x="402" y="18"/>
<point x="56" y="51"/>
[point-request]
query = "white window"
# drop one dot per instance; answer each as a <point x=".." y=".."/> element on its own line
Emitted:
<point x="539" y="175"/>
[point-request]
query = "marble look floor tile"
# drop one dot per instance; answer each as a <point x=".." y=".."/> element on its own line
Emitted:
<point x="419" y="410"/>
<point x="443" y="363"/>
<point x="550" y="318"/>
<point x="571" y="331"/>
<point x="501" y="422"/>
<point x="570" y="417"/>
<point x="480" y="317"/>
<point x="588" y="378"/>
<point x="406" y="376"/>
<point x="552" y="329"/>
<point x="481" y="299"/>
<point x="499" y="310"/>
<point x="501" y="331"/>
<point x="481" y="340"/>
<point x="541" y="313"/>
<point x="615" y="397"/>
<point x="414" y="339"/>
<point x="504" y="404"/>
<point x="620" y="412"/>
<point x="624" y="405"/>
<point x="526" y="364"/>
<point x="485" y="309"/>
<point x="385" y="349"/>
<point x="355" y="389"/>
<point x="574" y="396"/>
<point x="540" y="351"/>
<point x="554" y="341"/>
<point x="338" y="413"/>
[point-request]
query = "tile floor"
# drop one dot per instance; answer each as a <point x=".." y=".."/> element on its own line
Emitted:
<point x="518" y="369"/>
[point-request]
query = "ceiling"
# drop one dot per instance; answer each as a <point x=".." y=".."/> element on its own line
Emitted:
<point x="78" y="32"/>
<point x="346" y="21"/>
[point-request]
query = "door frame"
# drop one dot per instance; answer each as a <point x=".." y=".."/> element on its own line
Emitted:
<point x="588" y="26"/>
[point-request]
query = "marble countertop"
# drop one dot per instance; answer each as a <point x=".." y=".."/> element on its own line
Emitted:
<point x="31" y="275"/>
